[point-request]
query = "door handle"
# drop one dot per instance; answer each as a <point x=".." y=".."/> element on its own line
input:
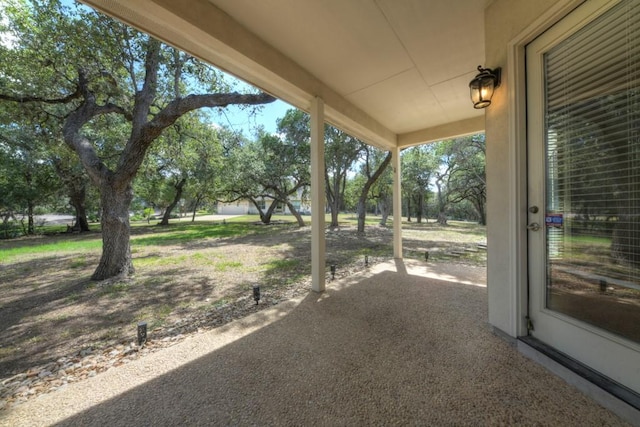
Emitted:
<point x="534" y="226"/>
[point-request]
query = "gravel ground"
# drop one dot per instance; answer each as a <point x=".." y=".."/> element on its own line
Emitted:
<point x="89" y="362"/>
<point x="399" y="344"/>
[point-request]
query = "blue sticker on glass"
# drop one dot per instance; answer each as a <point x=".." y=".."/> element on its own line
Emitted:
<point x="554" y="220"/>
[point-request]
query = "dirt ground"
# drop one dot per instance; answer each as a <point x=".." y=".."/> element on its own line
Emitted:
<point x="52" y="313"/>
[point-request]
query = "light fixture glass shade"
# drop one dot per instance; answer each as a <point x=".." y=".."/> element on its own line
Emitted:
<point x="482" y="87"/>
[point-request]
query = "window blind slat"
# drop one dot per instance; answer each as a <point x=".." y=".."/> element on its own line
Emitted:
<point x="597" y="62"/>
<point x="592" y="99"/>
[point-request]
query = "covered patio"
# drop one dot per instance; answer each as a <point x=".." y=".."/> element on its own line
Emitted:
<point x="395" y="74"/>
<point x="405" y="343"/>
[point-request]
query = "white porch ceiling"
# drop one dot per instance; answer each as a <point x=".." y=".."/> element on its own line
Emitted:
<point x="393" y="72"/>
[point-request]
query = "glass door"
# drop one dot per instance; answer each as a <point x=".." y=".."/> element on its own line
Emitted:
<point x="583" y="90"/>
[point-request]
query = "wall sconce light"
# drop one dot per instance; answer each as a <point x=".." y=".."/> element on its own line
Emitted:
<point x="482" y="86"/>
<point x="256" y="293"/>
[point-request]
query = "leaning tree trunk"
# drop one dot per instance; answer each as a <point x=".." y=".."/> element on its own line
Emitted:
<point x="195" y="207"/>
<point x="116" y="261"/>
<point x="362" y="200"/>
<point x="77" y="197"/>
<point x="167" y="213"/>
<point x="295" y="213"/>
<point x="265" y="216"/>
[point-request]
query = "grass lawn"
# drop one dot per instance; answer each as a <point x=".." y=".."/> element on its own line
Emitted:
<point x="196" y="274"/>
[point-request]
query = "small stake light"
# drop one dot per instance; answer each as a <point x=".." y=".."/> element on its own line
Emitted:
<point x="142" y="332"/>
<point x="603" y="286"/>
<point x="256" y="293"/>
<point x="333" y="271"/>
<point x="482" y="86"/>
<point x="366" y="260"/>
<point x="426" y="255"/>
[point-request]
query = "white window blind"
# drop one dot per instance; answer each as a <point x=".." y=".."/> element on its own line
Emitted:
<point x="592" y="99"/>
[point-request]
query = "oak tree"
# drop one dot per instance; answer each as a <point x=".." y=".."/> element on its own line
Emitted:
<point x="84" y="68"/>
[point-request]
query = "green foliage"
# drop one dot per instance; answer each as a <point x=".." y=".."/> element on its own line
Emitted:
<point x="148" y="213"/>
<point x="272" y="170"/>
<point x="419" y="165"/>
<point x="191" y="151"/>
<point x="27" y="173"/>
<point x="447" y="178"/>
<point x="9" y="229"/>
<point x="377" y="185"/>
<point x="462" y="176"/>
<point x="111" y="93"/>
<point x="341" y="153"/>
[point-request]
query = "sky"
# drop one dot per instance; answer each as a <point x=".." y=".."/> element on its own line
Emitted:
<point x="239" y="120"/>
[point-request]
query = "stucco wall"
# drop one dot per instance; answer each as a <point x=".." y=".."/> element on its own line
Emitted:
<point x="235" y="208"/>
<point x="506" y="20"/>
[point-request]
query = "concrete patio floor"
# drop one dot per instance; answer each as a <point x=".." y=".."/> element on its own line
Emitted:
<point x="404" y="344"/>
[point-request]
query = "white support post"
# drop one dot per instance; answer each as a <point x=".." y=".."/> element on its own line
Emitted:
<point x="317" y="196"/>
<point x="397" y="204"/>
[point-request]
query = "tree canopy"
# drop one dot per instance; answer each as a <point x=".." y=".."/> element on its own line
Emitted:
<point x="114" y="120"/>
<point x="84" y="70"/>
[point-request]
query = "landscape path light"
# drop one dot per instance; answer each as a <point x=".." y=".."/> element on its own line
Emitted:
<point x="142" y="332"/>
<point x="256" y="293"/>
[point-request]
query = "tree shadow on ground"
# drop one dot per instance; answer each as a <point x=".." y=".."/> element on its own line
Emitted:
<point x="388" y="349"/>
<point x="52" y="298"/>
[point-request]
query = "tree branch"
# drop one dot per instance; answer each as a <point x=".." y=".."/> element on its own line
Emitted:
<point x="22" y="99"/>
<point x="137" y="146"/>
<point x="180" y="106"/>
<point x="95" y="167"/>
<point x="128" y="60"/>
<point x="145" y="96"/>
<point x="112" y="108"/>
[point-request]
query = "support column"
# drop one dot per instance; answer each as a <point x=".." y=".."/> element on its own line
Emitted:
<point x="317" y="196"/>
<point x="397" y="204"/>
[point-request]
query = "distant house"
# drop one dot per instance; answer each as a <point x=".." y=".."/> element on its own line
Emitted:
<point x="241" y="207"/>
<point x="246" y="207"/>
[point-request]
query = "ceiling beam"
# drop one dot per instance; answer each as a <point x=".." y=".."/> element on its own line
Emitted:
<point x="439" y="133"/>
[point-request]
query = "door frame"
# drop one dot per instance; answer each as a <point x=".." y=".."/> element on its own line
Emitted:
<point x="517" y="102"/>
<point x="589" y="344"/>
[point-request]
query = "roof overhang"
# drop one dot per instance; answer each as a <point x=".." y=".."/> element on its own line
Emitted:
<point x="395" y="92"/>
